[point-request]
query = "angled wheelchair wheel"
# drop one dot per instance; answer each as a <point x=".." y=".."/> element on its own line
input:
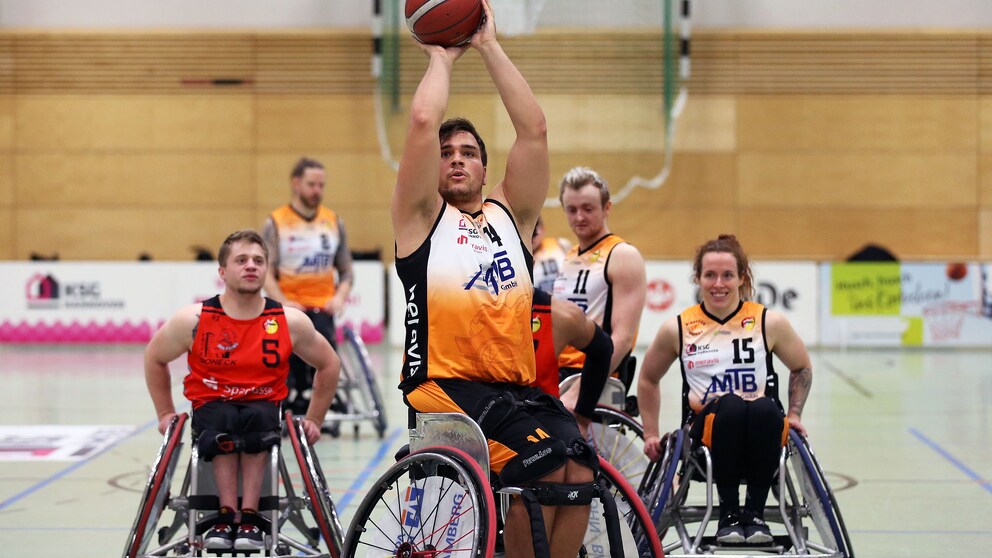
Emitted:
<point x="620" y="439"/>
<point x="661" y="482"/>
<point x="434" y="502"/>
<point x="633" y="534"/>
<point x="364" y="376"/>
<point x="317" y="496"/>
<point x="156" y="495"/>
<point x="831" y="535"/>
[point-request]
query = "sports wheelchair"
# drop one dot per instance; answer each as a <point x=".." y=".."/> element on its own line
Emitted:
<point x="358" y="397"/>
<point x="195" y="504"/>
<point x="805" y="520"/>
<point x="438" y="500"/>
<point x="616" y="435"/>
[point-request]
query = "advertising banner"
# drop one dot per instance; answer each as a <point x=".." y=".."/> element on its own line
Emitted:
<point x="95" y="302"/>
<point x="906" y="304"/>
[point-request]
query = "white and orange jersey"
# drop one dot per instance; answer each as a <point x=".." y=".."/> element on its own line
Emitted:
<point x="724" y="356"/>
<point x="306" y="255"/>
<point x="468" y="301"/>
<point x="583" y="280"/>
<point x="547" y="262"/>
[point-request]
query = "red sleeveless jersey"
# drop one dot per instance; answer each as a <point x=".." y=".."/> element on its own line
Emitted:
<point x="238" y="360"/>
<point x="544" y="344"/>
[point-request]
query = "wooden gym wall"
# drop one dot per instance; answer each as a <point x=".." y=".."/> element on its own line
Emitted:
<point x="805" y="144"/>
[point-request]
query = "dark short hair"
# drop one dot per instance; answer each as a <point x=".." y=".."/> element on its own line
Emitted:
<point x="303" y="164"/>
<point x="246" y="235"/>
<point x="452" y="126"/>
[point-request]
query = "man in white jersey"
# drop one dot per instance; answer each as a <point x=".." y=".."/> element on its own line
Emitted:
<point x="725" y="347"/>
<point x="603" y="274"/>
<point x="465" y="271"/>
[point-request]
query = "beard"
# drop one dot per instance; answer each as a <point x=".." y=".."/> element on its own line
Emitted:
<point x="459" y="195"/>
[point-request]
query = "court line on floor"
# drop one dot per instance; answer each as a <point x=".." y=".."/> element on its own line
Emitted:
<point x="848" y="379"/>
<point x="77" y="465"/>
<point x="380" y="454"/>
<point x="985" y="484"/>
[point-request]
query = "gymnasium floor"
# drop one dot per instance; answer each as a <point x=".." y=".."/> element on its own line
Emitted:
<point x="905" y="437"/>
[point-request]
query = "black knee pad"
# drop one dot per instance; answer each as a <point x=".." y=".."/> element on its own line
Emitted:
<point x="212" y="443"/>
<point x="538" y="460"/>
<point x="258" y="442"/>
<point x="581" y="452"/>
<point x="492" y="411"/>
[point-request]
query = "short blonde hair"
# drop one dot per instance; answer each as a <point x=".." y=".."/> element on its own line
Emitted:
<point x="578" y="177"/>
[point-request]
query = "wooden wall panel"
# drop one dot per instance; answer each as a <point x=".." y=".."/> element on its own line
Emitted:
<point x="7" y="183"/>
<point x="985" y="180"/>
<point x="985" y="123"/>
<point x="841" y="180"/>
<point x="315" y="123"/>
<point x="134" y="122"/>
<point x="668" y="233"/>
<point x="358" y="180"/>
<point x="6" y="121"/>
<point x="602" y="122"/>
<point x="836" y="233"/>
<point x="985" y="234"/>
<point x="707" y="124"/>
<point x="135" y="180"/>
<point x="109" y="234"/>
<point x="7" y="240"/>
<point x="855" y="123"/>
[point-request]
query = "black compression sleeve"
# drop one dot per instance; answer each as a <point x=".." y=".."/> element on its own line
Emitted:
<point x="595" y="371"/>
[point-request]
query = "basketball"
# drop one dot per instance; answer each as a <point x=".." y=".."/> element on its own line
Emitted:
<point x="956" y="271"/>
<point x="443" y="22"/>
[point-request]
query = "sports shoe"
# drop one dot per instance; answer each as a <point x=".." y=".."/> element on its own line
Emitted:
<point x="249" y="538"/>
<point x="219" y="537"/>
<point x="730" y="530"/>
<point x="756" y="531"/>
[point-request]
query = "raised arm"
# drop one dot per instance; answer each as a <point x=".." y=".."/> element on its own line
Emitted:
<point x="528" y="175"/>
<point x="416" y="201"/>
<point x="629" y="283"/>
<point x="664" y="350"/>
<point x="785" y="342"/>
<point x="317" y="352"/>
<point x="169" y="343"/>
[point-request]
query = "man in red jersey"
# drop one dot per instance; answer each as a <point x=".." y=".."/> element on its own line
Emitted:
<point x="238" y="346"/>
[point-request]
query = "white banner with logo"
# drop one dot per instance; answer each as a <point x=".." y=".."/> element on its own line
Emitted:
<point x="57" y="442"/>
<point x="95" y="302"/>
<point x="889" y="304"/>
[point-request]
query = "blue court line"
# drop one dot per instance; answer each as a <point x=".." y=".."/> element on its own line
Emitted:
<point x="384" y="448"/>
<point x="42" y="484"/>
<point x="987" y="485"/>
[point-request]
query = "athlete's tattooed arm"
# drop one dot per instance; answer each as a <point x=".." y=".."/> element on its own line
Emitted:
<point x="800" y="381"/>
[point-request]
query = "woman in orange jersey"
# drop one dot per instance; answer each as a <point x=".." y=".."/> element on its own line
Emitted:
<point x="725" y="346"/>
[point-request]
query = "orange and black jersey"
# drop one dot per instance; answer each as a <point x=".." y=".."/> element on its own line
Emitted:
<point x="238" y="360"/>
<point x="468" y="295"/>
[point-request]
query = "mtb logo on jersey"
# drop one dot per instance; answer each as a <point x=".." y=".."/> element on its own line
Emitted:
<point x="737" y="380"/>
<point x="496" y="277"/>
